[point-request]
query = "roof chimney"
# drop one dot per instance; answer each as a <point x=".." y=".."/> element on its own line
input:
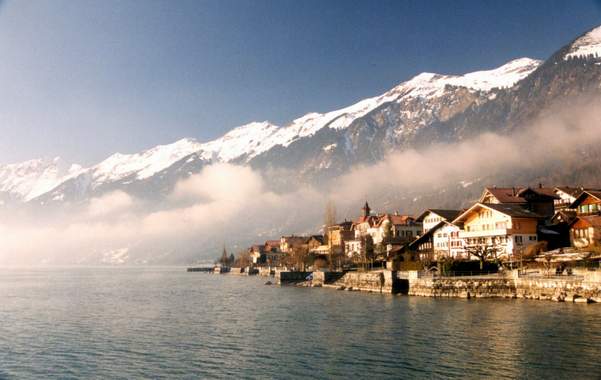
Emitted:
<point x="540" y="185"/>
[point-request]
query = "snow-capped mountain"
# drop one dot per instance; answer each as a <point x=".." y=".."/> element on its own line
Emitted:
<point x="587" y="45"/>
<point x="30" y="179"/>
<point x="424" y="109"/>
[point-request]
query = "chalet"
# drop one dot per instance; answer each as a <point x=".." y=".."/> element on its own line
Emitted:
<point x="507" y="228"/>
<point x="338" y="234"/>
<point x="314" y="241"/>
<point x="431" y="217"/>
<point x="539" y="200"/>
<point x="401" y="228"/>
<point x="566" y="196"/>
<point x="288" y="243"/>
<point x="441" y="240"/>
<point x="587" y="203"/>
<point x="274" y="257"/>
<point x="585" y="229"/>
<point x="357" y="248"/>
<point x="257" y="254"/>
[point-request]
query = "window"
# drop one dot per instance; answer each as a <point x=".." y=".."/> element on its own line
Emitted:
<point x="518" y="240"/>
<point x="532" y="238"/>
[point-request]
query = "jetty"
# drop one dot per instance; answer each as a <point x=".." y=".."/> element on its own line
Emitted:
<point x="200" y="269"/>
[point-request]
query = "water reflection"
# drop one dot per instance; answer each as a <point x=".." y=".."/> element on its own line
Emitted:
<point x="165" y="322"/>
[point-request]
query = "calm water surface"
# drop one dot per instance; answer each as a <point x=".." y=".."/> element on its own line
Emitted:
<point x="166" y="323"/>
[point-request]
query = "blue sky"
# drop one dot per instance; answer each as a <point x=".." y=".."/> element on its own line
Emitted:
<point x="84" y="79"/>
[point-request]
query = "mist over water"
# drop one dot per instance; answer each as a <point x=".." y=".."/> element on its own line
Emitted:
<point x="164" y="322"/>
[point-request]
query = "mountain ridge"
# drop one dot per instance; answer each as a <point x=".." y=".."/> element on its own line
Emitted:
<point x="244" y="143"/>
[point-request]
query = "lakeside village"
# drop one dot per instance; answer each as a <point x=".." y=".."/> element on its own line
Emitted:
<point x="533" y="242"/>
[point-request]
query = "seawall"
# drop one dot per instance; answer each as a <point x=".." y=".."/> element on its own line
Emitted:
<point x="578" y="288"/>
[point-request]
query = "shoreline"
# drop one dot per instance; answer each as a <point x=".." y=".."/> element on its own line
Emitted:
<point x="583" y="287"/>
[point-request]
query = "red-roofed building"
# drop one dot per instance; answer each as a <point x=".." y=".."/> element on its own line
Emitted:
<point x="509" y="228"/>
<point x="585" y="229"/>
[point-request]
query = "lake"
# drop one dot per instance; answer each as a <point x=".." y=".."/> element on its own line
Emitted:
<point x="167" y="323"/>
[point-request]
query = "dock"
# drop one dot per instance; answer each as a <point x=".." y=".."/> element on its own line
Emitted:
<point x="200" y="269"/>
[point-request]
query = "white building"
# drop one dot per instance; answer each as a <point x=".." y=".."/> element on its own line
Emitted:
<point x="431" y="217"/>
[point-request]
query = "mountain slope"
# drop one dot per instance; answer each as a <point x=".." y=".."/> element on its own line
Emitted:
<point x="427" y="108"/>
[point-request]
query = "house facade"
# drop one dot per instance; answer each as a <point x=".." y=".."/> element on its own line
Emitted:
<point x="585" y="229"/>
<point x="441" y="240"/>
<point x="401" y="228"/>
<point x="566" y="196"/>
<point x="431" y="217"/>
<point x="338" y="234"/>
<point x="288" y="243"/>
<point x="507" y="228"/>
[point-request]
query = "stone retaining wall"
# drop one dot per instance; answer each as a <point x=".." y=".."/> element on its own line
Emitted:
<point x="384" y="281"/>
<point x="558" y="289"/>
<point x="462" y="287"/>
<point x="571" y="289"/>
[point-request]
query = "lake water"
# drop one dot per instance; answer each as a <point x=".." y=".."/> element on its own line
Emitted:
<point x="166" y="323"/>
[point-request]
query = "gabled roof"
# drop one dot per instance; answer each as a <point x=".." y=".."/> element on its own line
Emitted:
<point x="515" y="211"/>
<point x="445" y="214"/>
<point x="585" y="194"/>
<point x="428" y="234"/>
<point x="572" y="191"/>
<point x="594" y="220"/>
<point x="395" y="219"/>
<point x="346" y="225"/>
<point x="545" y="192"/>
<point x="370" y="219"/>
<point x="566" y="216"/>
<point x="293" y="239"/>
<point x="504" y="194"/>
<point x="318" y="238"/>
<point x="517" y="194"/>
<point x="511" y="210"/>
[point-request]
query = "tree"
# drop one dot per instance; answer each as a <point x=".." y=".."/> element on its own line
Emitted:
<point x="243" y="259"/>
<point x="368" y="249"/>
<point x="297" y="256"/>
<point x="483" y="252"/>
<point x="335" y="251"/>
<point x="329" y="217"/>
<point x="224" y="259"/>
<point x="387" y="231"/>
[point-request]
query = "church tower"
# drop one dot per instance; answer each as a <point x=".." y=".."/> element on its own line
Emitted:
<point x="366" y="210"/>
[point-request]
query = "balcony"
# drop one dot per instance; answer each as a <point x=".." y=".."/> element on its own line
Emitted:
<point x="484" y="233"/>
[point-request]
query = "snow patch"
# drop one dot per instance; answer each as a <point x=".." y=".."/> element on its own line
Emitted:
<point x="115" y="256"/>
<point x="586" y="45"/>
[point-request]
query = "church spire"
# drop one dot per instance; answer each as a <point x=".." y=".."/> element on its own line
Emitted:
<point x="366" y="210"/>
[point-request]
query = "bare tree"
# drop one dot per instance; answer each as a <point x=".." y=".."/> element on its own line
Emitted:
<point x="329" y="217"/>
<point x="297" y="256"/>
<point x="243" y="259"/>
<point x="483" y="252"/>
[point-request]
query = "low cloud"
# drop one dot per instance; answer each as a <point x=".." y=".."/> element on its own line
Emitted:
<point x="111" y="203"/>
<point x="227" y="203"/>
